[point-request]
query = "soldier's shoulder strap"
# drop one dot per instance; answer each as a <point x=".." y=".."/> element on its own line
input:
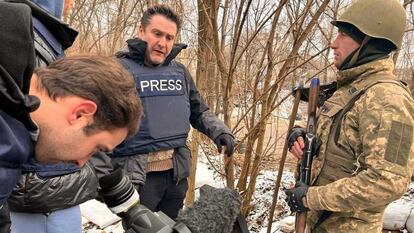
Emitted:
<point x="358" y="93"/>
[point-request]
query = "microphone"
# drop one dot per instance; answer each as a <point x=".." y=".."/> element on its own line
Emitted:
<point x="215" y="211"/>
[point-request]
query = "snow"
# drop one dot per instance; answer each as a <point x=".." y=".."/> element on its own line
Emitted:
<point x="98" y="213"/>
<point x="283" y="217"/>
<point x="204" y="175"/>
<point x="262" y="201"/>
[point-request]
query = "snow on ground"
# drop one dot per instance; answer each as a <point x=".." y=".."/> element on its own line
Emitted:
<point x="262" y="201"/>
<point x="205" y="175"/>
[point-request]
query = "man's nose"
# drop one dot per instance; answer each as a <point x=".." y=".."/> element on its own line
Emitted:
<point x="334" y="43"/>
<point x="162" y="42"/>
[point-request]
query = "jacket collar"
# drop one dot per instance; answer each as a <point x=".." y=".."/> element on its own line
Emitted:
<point x="357" y="74"/>
<point x="137" y="47"/>
<point x="60" y="30"/>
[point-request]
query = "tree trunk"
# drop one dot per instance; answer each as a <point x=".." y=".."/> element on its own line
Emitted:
<point x="190" y="196"/>
<point x="205" y="70"/>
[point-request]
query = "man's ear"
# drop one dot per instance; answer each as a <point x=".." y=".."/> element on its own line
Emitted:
<point x="83" y="111"/>
<point x="141" y="32"/>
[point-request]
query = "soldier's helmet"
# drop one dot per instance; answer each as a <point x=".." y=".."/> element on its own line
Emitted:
<point x="384" y="19"/>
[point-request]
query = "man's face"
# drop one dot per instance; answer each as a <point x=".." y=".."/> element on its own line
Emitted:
<point x="343" y="45"/>
<point x="72" y="144"/>
<point x="160" y="35"/>
<point x="62" y="123"/>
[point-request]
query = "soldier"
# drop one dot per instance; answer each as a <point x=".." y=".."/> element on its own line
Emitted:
<point x="366" y="127"/>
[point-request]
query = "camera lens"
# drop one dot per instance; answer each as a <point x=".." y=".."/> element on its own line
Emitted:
<point x="117" y="190"/>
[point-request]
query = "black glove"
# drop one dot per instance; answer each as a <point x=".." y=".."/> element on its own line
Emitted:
<point x="293" y="135"/>
<point x="294" y="197"/>
<point x="225" y="140"/>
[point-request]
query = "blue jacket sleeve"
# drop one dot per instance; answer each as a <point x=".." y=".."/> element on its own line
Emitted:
<point x="16" y="148"/>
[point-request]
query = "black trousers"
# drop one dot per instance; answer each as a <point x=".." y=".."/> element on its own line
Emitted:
<point x="162" y="193"/>
<point x="5" y="222"/>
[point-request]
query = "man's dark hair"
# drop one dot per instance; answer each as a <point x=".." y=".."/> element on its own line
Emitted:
<point x="166" y="11"/>
<point x="99" y="79"/>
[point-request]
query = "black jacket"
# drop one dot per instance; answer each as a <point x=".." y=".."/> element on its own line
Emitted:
<point x="43" y="189"/>
<point x="16" y="66"/>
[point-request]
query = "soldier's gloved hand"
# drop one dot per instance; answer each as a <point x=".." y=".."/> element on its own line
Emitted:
<point x="293" y="135"/>
<point x="296" y="141"/>
<point x="296" y="197"/>
<point x="225" y="140"/>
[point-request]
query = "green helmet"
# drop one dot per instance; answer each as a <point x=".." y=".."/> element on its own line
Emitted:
<point x="384" y="19"/>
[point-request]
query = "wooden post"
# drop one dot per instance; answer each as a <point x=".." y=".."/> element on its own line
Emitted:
<point x="282" y="161"/>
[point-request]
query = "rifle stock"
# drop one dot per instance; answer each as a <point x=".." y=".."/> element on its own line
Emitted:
<point x="310" y="140"/>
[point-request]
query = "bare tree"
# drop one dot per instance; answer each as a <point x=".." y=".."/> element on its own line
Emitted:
<point x="104" y="25"/>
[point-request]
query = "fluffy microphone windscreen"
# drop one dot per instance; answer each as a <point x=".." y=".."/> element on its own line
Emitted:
<point x="214" y="212"/>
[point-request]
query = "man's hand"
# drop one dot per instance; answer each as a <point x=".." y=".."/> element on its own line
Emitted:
<point x="296" y="197"/>
<point x="296" y="142"/>
<point x="225" y="140"/>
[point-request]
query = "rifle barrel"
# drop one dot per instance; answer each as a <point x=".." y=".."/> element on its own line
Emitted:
<point x="310" y="140"/>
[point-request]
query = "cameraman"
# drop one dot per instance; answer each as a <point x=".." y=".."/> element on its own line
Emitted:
<point x="80" y="122"/>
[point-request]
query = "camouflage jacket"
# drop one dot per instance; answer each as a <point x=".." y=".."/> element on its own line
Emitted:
<point x="369" y="162"/>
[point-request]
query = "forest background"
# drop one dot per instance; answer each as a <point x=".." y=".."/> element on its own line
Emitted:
<point x="245" y="56"/>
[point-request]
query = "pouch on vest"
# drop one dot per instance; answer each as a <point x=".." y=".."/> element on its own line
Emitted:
<point x="338" y="162"/>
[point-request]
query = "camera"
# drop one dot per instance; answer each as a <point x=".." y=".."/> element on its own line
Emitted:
<point x="120" y="195"/>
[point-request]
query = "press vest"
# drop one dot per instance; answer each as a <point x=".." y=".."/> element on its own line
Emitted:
<point x="166" y="122"/>
<point x="340" y="162"/>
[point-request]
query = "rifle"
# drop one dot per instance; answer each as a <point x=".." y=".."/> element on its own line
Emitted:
<point x="310" y="140"/>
